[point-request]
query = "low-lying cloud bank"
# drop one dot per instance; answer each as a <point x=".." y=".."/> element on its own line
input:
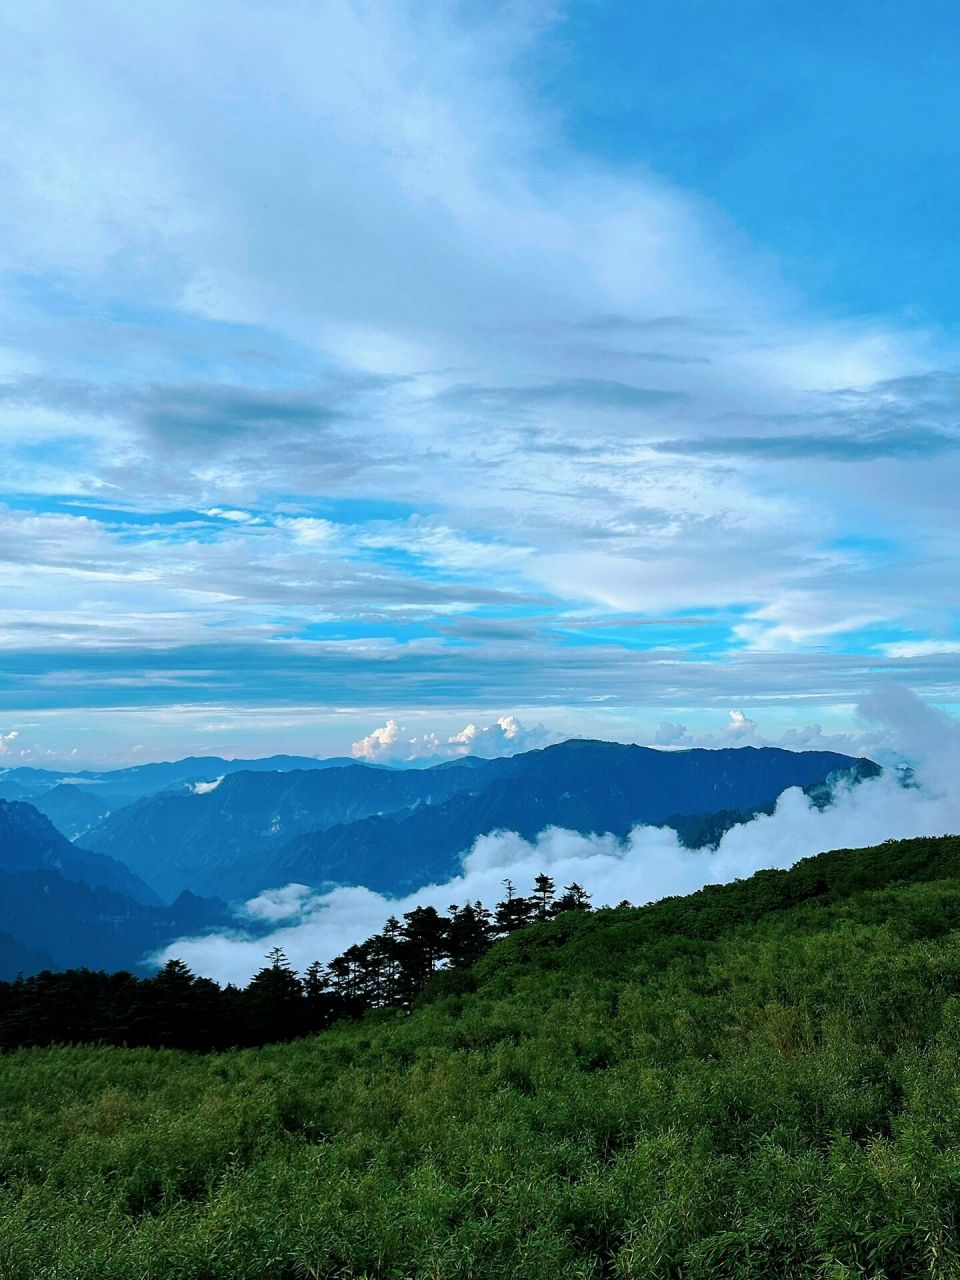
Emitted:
<point x="648" y="865"/>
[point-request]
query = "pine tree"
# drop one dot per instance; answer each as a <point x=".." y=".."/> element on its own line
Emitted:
<point x="469" y="933"/>
<point x="386" y="955"/>
<point x="573" y="898"/>
<point x="274" y="1000"/>
<point x="318" y="998"/>
<point x="513" y="913"/>
<point x="544" y="891"/>
<point x="183" y="1010"/>
<point x="423" y="939"/>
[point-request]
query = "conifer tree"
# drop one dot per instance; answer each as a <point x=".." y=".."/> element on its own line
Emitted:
<point x="543" y="895"/>
<point x="274" y="999"/>
<point x="469" y="933"/>
<point x="573" y="898"/>
<point x="513" y="912"/>
<point x="183" y="1010"/>
<point x="422" y="948"/>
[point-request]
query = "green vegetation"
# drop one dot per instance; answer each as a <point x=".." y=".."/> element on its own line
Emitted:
<point x="759" y="1080"/>
<point x="175" y="1009"/>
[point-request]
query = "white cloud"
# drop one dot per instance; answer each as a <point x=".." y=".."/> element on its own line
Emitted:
<point x="648" y="865"/>
<point x="379" y="742"/>
<point x="228" y="513"/>
<point x="506" y="736"/>
<point x="204" y="788"/>
<point x="891" y="723"/>
<point x="275" y="905"/>
<point x="740" y="726"/>
<point x="507" y="732"/>
<point x="920" y="648"/>
<point x="440" y="307"/>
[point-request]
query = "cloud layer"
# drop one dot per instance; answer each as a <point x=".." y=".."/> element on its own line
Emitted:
<point x="648" y="865"/>
<point x="373" y="391"/>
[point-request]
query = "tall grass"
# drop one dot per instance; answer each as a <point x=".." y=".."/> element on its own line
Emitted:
<point x="776" y="1094"/>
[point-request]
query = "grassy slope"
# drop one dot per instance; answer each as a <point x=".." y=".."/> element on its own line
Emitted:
<point x="760" y="1080"/>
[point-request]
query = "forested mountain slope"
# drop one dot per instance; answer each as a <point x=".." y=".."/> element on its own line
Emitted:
<point x="65" y="924"/>
<point x="191" y="839"/>
<point x="62" y="906"/>
<point x="756" y="1080"/>
<point x="584" y="786"/>
<point x="30" y="842"/>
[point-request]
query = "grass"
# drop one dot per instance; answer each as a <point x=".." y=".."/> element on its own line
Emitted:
<point x="760" y="1081"/>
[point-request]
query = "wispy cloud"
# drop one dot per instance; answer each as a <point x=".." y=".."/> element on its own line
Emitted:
<point x="389" y="315"/>
<point x="595" y="393"/>
<point x="916" y="443"/>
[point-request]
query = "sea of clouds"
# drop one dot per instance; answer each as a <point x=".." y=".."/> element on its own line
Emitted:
<point x="648" y="865"/>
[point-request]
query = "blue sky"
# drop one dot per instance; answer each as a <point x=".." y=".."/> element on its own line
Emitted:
<point x="823" y="132"/>
<point x="593" y="365"/>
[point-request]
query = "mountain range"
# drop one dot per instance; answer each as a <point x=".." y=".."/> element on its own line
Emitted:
<point x="62" y="906"/>
<point x="201" y="833"/>
<point x="169" y="844"/>
<point x="592" y="788"/>
<point x="77" y="801"/>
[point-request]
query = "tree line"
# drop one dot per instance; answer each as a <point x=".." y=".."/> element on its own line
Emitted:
<point x="175" y="1008"/>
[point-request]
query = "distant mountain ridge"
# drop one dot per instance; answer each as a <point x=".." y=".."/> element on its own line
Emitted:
<point x="69" y="924"/>
<point x="592" y="788"/>
<point x="77" y="801"/>
<point x="30" y="842"/>
<point x="213" y="831"/>
<point x="24" y="781"/>
<point x="74" y="809"/>
<point x="62" y="906"/>
<point x="394" y="831"/>
<point x="181" y="839"/>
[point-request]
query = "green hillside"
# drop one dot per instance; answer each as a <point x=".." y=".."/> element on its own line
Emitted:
<point x="759" y="1080"/>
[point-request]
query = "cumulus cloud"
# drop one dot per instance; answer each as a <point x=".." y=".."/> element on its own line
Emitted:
<point x="534" y="380"/>
<point x="7" y="738"/>
<point x="505" y="737"/>
<point x="648" y="865"/>
<point x="379" y="742"/>
<point x="739" y="731"/>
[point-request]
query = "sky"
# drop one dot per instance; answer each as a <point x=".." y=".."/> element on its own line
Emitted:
<point x="408" y="378"/>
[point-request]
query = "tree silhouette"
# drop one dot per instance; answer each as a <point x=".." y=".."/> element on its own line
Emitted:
<point x="177" y="1009"/>
<point x="273" y="1000"/>
<point x="573" y="898"/>
<point x="469" y="933"/>
<point x="543" y="894"/>
<point x="513" y="913"/>
<point x="183" y="1010"/>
